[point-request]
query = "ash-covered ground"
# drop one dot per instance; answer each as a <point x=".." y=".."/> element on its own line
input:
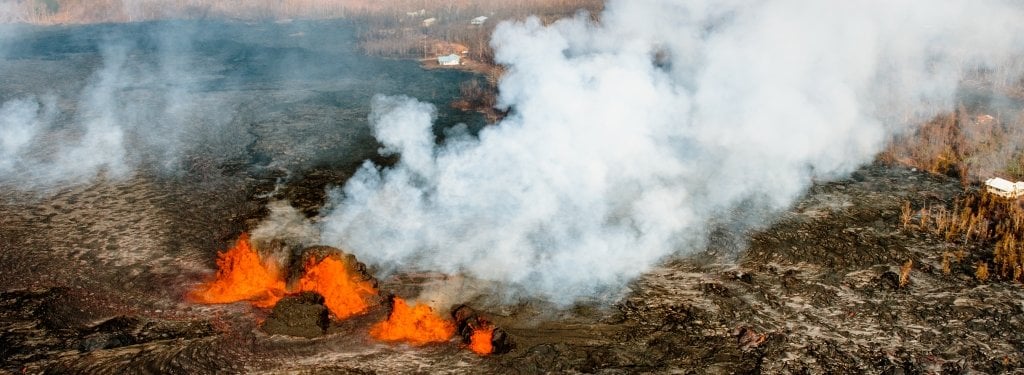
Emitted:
<point x="816" y="293"/>
<point x="93" y="274"/>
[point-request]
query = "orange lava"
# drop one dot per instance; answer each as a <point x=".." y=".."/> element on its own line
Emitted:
<point x="480" y="340"/>
<point x="343" y="294"/>
<point x="242" y="276"/>
<point x="417" y="325"/>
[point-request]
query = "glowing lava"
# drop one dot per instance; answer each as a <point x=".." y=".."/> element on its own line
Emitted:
<point x="417" y="325"/>
<point x="480" y="340"/>
<point x="242" y="276"/>
<point x="344" y="294"/>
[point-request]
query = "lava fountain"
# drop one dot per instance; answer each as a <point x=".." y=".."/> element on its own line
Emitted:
<point x="480" y="341"/>
<point x="242" y="275"/>
<point x="347" y="291"/>
<point x="344" y="294"/>
<point x="417" y="325"/>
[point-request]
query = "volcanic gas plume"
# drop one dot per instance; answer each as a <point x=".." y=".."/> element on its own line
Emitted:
<point x="133" y="112"/>
<point x="632" y="139"/>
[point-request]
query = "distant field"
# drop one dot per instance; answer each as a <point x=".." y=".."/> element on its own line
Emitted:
<point x="390" y="28"/>
<point x="93" y="11"/>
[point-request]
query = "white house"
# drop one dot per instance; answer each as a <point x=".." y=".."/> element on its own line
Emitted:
<point x="1004" y="188"/>
<point x="984" y="119"/>
<point x="478" y="21"/>
<point x="429" y="21"/>
<point x="452" y="59"/>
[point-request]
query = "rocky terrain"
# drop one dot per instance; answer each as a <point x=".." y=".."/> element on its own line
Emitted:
<point x="816" y="292"/>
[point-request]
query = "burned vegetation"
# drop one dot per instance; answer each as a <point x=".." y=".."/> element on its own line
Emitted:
<point x="980" y="229"/>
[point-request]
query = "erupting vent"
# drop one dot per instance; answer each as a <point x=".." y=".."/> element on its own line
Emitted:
<point x="338" y="282"/>
<point x="242" y="275"/>
<point x="479" y="334"/>
<point x="344" y="295"/>
<point x="417" y="325"/>
<point x="480" y="340"/>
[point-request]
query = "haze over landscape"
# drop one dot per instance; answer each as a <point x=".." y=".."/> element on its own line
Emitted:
<point x="719" y="175"/>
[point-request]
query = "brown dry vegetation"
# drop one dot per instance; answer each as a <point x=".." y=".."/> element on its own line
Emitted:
<point x="481" y="96"/>
<point x="980" y="139"/>
<point x="905" y="272"/>
<point x="399" y="31"/>
<point x="970" y="147"/>
<point x="391" y="28"/>
<point x="94" y="11"/>
<point x="979" y="221"/>
<point x="97" y="11"/>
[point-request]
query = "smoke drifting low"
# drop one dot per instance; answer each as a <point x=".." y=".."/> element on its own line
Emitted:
<point x="628" y="138"/>
<point x="134" y="110"/>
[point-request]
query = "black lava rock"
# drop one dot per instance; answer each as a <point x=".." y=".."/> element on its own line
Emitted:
<point x="467" y="320"/>
<point x="302" y="315"/>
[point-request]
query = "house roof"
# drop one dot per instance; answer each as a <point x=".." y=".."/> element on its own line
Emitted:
<point x="448" y="58"/>
<point x="1001" y="184"/>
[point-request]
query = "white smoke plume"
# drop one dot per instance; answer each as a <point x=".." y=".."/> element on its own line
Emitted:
<point x="287" y="224"/>
<point x="10" y="12"/>
<point x="131" y="112"/>
<point x="628" y="137"/>
<point x="20" y="123"/>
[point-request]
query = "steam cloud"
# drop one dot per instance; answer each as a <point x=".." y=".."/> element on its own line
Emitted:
<point x="132" y="112"/>
<point x="628" y="138"/>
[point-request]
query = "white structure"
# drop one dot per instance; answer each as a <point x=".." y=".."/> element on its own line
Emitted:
<point x="984" y="119"/>
<point x="478" y="21"/>
<point x="429" y="21"/>
<point x="1004" y="188"/>
<point x="452" y="59"/>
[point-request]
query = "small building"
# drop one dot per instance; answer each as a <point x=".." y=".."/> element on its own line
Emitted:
<point x="1004" y="188"/>
<point x="478" y="21"/>
<point x="429" y="22"/>
<point x="448" y="60"/>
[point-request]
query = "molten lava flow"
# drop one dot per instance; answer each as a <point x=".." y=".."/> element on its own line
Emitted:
<point x="343" y="294"/>
<point x="480" y="340"/>
<point x="417" y="325"/>
<point x="242" y="276"/>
